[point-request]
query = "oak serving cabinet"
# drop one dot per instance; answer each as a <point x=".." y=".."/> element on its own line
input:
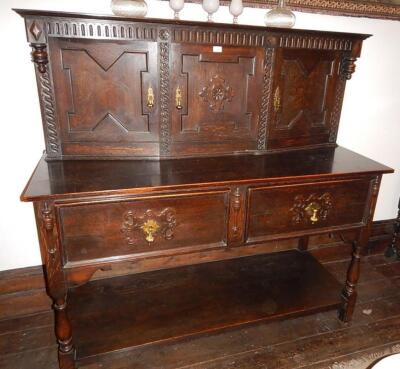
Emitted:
<point x="183" y="150"/>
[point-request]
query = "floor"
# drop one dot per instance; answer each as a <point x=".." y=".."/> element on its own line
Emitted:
<point x="313" y="342"/>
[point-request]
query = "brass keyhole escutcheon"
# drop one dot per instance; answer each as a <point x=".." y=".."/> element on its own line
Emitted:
<point x="277" y="99"/>
<point x="178" y="98"/>
<point x="150" y="97"/>
<point x="150" y="228"/>
<point x="312" y="210"/>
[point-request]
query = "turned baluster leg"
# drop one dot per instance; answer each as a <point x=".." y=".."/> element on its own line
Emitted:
<point x="394" y="247"/>
<point x="55" y="281"/>
<point x="66" y="352"/>
<point x="349" y="293"/>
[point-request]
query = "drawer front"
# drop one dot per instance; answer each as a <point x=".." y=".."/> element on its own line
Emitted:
<point x="143" y="225"/>
<point x="279" y="210"/>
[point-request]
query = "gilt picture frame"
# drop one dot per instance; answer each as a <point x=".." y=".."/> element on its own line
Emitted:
<point x="383" y="9"/>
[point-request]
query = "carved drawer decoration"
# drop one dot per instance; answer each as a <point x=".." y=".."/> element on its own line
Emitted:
<point x="282" y="210"/>
<point x="311" y="209"/>
<point x="149" y="225"/>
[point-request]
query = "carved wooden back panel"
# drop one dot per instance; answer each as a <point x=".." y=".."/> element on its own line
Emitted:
<point x="106" y="93"/>
<point x="216" y="95"/>
<point x="147" y="88"/>
<point x="305" y="90"/>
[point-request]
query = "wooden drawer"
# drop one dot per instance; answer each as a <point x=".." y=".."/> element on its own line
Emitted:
<point x="277" y="211"/>
<point x="150" y="225"/>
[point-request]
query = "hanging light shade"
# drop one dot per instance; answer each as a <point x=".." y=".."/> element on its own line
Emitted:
<point x="130" y="8"/>
<point x="176" y="6"/>
<point x="210" y="6"/>
<point x="236" y="8"/>
<point x="281" y="16"/>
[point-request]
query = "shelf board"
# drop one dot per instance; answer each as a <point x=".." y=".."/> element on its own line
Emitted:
<point x="121" y="312"/>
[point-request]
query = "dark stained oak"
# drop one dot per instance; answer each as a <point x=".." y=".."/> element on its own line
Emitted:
<point x="228" y="140"/>
<point x="126" y="88"/>
<point x="155" y="306"/>
<point x="81" y="178"/>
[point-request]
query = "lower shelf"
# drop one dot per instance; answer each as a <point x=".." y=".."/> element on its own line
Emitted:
<point x="133" y="310"/>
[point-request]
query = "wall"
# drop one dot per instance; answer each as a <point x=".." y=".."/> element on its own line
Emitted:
<point x="21" y="142"/>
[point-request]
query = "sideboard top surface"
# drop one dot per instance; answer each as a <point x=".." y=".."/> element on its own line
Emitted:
<point x="60" y="179"/>
<point x="160" y="21"/>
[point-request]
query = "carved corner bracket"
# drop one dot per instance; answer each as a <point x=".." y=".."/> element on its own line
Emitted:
<point x="348" y="67"/>
<point x="311" y="209"/>
<point x="39" y="56"/>
<point x="149" y="225"/>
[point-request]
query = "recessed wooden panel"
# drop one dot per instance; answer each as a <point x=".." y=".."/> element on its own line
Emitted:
<point x="303" y="98"/>
<point x="278" y="211"/>
<point x="216" y="95"/>
<point x="110" y="229"/>
<point x="106" y="93"/>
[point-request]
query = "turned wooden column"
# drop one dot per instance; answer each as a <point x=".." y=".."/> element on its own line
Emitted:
<point x="394" y="247"/>
<point x="55" y="281"/>
<point x="349" y="293"/>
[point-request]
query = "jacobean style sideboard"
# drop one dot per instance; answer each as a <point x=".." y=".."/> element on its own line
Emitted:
<point x="186" y="151"/>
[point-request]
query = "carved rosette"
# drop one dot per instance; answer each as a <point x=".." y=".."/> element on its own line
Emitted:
<point x="311" y="209"/>
<point x="148" y="226"/>
<point x="216" y="94"/>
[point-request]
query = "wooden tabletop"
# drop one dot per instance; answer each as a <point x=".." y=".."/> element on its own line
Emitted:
<point x="58" y="179"/>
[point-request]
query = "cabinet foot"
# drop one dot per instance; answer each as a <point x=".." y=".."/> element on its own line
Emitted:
<point x="66" y="360"/>
<point x="349" y="293"/>
<point x="66" y="350"/>
<point x="346" y="311"/>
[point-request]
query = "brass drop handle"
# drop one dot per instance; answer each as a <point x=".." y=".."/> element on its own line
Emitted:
<point x="277" y="100"/>
<point x="150" y="228"/>
<point x="178" y="98"/>
<point x="150" y="97"/>
<point x="312" y="210"/>
<point x="314" y="217"/>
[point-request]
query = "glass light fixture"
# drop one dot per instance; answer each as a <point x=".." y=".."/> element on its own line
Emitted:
<point x="210" y="6"/>
<point x="176" y="6"/>
<point x="281" y="16"/>
<point x="131" y="8"/>
<point x="236" y="8"/>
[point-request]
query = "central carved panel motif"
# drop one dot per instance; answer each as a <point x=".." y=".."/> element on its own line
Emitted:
<point x="311" y="209"/>
<point x="216" y="93"/>
<point x="148" y="225"/>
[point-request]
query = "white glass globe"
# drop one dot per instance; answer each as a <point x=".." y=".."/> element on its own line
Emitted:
<point x="130" y="8"/>
<point x="176" y="6"/>
<point x="280" y="17"/>
<point x="236" y="8"/>
<point x="210" y="6"/>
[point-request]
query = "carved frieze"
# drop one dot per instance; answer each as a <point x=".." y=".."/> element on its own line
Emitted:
<point x="216" y="94"/>
<point x="100" y="30"/>
<point x="220" y="37"/>
<point x="148" y="226"/>
<point x="311" y="209"/>
<point x="315" y="42"/>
